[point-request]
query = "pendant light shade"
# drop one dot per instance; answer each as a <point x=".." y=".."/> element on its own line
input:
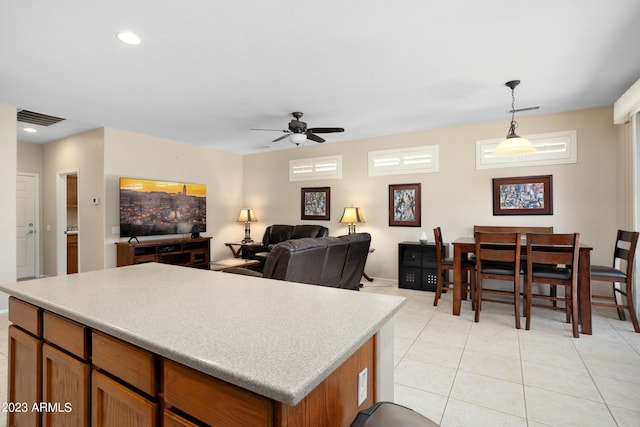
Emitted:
<point x="513" y="145"/>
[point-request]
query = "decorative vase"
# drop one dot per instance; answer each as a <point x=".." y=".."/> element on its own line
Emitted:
<point x="423" y="238"/>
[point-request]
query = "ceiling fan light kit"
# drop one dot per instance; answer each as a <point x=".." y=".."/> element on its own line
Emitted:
<point x="513" y="145"/>
<point x="298" y="138"/>
<point x="299" y="133"/>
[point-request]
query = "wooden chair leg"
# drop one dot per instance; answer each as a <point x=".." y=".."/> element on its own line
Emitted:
<point x="617" y="297"/>
<point x="439" y="285"/>
<point x="472" y="286"/>
<point x="516" y="301"/>
<point x="478" y="300"/>
<point x="632" y="309"/>
<point x="527" y="305"/>
<point x="574" y="310"/>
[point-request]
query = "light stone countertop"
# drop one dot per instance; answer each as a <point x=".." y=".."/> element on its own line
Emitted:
<point x="277" y="339"/>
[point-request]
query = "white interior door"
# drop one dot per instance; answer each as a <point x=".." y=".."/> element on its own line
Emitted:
<point x="26" y="226"/>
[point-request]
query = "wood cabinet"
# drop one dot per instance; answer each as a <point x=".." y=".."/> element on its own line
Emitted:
<point x="86" y="377"/>
<point x="72" y="191"/>
<point x="25" y="373"/>
<point x="67" y="405"/>
<point x="418" y="266"/>
<point x="72" y="253"/>
<point x="113" y="404"/>
<point x="189" y="252"/>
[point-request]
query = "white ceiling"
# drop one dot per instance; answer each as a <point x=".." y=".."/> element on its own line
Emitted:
<point x="207" y="70"/>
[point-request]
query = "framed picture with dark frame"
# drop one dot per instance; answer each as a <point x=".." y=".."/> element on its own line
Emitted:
<point x="525" y="195"/>
<point x="404" y="205"/>
<point x="315" y="203"/>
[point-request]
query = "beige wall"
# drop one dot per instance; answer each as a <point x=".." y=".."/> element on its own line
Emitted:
<point x="457" y="197"/>
<point x="82" y="153"/>
<point x="8" y="148"/>
<point x="135" y="155"/>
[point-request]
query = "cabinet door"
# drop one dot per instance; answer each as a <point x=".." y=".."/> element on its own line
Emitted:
<point x="113" y="404"/>
<point x="65" y="388"/>
<point x="72" y="191"/>
<point x="173" y="420"/>
<point x="72" y="253"/>
<point x="25" y="375"/>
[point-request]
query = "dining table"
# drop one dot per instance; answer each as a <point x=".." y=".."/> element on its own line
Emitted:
<point x="467" y="244"/>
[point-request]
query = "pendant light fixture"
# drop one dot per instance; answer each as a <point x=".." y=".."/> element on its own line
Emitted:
<point x="513" y="145"/>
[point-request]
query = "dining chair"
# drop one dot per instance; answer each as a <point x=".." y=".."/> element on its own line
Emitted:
<point x="620" y="273"/>
<point x="445" y="265"/>
<point x="498" y="258"/>
<point x="553" y="259"/>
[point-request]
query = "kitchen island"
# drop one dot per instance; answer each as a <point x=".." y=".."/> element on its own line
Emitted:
<point x="169" y="345"/>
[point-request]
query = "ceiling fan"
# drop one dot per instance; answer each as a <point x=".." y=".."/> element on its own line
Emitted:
<point x="299" y="133"/>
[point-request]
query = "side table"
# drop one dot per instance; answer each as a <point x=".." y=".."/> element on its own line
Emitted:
<point x="224" y="264"/>
<point x="236" y="252"/>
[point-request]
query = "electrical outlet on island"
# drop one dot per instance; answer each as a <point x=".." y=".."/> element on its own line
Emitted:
<point x="362" y="386"/>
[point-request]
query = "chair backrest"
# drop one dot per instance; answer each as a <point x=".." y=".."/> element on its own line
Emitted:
<point x="553" y="249"/>
<point x="297" y="260"/>
<point x="510" y="229"/>
<point x="498" y="247"/>
<point x="625" y="250"/>
<point x="334" y="260"/>
<point x="437" y="233"/>
<point x="359" y="244"/>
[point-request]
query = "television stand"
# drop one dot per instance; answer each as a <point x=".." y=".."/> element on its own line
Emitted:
<point x="131" y="238"/>
<point x="188" y="252"/>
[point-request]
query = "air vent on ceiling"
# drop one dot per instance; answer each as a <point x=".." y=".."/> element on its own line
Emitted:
<point x="34" y="118"/>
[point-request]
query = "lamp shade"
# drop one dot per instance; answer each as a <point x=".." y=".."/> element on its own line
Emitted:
<point x="352" y="215"/>
<point x="298" y="138"/>
<point x="247" y="215"/>
<point x="514" y="145"/>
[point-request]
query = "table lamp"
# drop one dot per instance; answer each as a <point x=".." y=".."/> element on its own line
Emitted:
<point x="351" y="216"/>
<point x="247" y="216"/>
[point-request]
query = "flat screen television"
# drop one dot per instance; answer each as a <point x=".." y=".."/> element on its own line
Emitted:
<point x="151" y="208"/>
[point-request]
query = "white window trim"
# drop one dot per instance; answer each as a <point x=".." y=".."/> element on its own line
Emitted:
<point x="546" y="153"/>
<point x="328" y="167"/>
<point x="423" y="159"/>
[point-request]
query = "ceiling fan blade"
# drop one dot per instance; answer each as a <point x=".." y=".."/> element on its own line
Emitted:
<point x="274" y="130"/>
<point x="313" y="137"/>
<point x="280" y="138"/>
<point x="326" y="130"/>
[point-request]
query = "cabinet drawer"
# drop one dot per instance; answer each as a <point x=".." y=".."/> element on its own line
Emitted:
<point x="127" y="362"/>
<point x="213" y="401"/>
<point x="66" y="334"/>
<point x="25" y="315"/>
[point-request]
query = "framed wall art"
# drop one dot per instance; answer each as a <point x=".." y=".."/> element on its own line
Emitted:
<point x="404" y="205"/>
<point x="315" y="203"/>
<point x="526" y="195"/>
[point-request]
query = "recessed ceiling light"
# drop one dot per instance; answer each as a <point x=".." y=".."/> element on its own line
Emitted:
<point x="30" y="130"/>
<point x="128" y="37"/>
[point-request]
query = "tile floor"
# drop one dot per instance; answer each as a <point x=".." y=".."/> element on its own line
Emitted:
<point x="461" y="373"/>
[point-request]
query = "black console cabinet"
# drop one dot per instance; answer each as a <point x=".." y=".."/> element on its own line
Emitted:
<point x="418" y="266"/>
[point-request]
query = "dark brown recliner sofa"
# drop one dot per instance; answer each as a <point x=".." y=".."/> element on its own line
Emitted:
<point x="277" y="233"/>
<point x="326" y="261"/>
